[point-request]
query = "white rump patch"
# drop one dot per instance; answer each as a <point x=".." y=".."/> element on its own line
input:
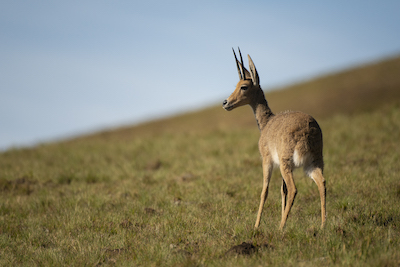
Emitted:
<point x="275" y="157"/>
<point x="299" y="160"/>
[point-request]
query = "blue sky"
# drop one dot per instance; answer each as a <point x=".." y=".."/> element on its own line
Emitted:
<point x="72" y="67"/>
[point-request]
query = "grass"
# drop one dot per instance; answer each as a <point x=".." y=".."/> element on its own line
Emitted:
<point x="183" y="191"/>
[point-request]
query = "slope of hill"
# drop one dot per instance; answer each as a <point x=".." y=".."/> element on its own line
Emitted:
<point x="359" y="89"/>
<point x="184" y="191"/>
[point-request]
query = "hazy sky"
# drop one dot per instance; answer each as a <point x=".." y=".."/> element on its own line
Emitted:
<point x="69" y="67"/>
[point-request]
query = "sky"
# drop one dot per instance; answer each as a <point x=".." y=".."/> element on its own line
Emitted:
<point x="74" y="67"/>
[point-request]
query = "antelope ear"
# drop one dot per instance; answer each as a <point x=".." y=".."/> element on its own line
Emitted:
<point x="253" y="72"/>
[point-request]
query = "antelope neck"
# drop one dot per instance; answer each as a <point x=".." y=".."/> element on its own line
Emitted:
<point x="261" y="110"/>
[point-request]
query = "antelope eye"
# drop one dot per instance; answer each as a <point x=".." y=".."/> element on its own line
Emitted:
<point x="244" y="87"/>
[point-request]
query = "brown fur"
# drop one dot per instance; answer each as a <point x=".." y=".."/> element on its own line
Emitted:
<point x="288" y="140"/>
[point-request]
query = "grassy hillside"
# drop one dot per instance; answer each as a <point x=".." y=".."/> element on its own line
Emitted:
<point x="183" y="191"/>
<point x="355" y="90"/>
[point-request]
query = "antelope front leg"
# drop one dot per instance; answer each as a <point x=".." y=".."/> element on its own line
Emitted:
<point x="267" y="171"/>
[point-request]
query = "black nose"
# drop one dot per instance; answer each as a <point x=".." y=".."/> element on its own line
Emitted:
<point x="224" y="103"/>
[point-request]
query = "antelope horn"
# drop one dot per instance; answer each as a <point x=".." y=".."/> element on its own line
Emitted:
<point x="237" y="65"/>
<point x="241" y="65"/>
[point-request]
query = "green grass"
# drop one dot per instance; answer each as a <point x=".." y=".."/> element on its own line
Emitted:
<point x="183" y="191"/>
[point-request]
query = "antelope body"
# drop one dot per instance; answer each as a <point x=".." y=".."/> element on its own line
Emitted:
<point x="288" y="140"/>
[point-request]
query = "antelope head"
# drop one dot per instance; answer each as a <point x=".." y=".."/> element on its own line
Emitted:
<point x="246" y="88"/>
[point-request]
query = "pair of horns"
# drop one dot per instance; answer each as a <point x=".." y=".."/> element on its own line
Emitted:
<point x="243" y="73"/>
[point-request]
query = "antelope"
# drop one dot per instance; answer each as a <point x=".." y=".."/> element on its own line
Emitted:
<point x="289" y="140"/>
